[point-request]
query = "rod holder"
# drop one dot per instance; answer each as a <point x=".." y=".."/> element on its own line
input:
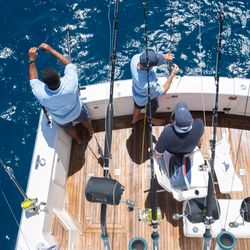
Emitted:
<point x="177" y="216"/>
<point x="138" y="243"/>
<point x="225" y="241"/>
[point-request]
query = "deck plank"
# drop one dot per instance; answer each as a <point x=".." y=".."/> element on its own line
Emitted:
<point x="127" y="147"/>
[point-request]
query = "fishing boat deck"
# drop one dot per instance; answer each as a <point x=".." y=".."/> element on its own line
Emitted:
<point x="130" y="166"/>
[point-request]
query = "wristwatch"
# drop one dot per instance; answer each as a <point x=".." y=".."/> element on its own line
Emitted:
<point x="31" y="61"/>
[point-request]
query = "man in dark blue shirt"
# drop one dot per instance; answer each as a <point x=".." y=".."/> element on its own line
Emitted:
<point x="183" y="135"/>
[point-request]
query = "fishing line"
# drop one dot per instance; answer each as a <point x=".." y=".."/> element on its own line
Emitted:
<point x="143" y="137"/>
<point x="108" y="130"/>
<point x="100" y="151"/>
<point x="170" y="63"/>
<point x="200" y="65"/>
<point x="153" y="195"/>
<point x="14" y="18"/>
<point x="45" y="111"/>
<point x="238" y="151"/>
<point x="8" y="170"/>
<point x="31" y="40"/>
<point x="15" y="219"/>
<point x="68" y="42"/>
<point x="171" y="47"/>
<point x="210" y="193"/>
<point x="110" y="35"/>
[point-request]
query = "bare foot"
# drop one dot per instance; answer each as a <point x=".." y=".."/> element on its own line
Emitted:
<point x="88" y="126"/>
<point x="137" y="118"/>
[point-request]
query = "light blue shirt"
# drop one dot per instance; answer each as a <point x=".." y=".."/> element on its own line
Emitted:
<point x="63" y="104"/>
<point x="140" y="82"/>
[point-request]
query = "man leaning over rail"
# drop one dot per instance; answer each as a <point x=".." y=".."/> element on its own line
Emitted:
<point x="59" y="95"/>
<point x="139" y="73"/>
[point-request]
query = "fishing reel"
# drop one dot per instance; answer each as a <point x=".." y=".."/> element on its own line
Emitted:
<point x="130" y="205"/>
<point x="32" y="205"/>
<point x="244" y="214"/>
<point x="146" y="215"/>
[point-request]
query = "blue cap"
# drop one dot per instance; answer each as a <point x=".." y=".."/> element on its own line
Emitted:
<point x="183" y="118"/>
<point x="154" y="59"/>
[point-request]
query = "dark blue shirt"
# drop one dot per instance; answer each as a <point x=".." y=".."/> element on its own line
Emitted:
<point x="180" y="143"/>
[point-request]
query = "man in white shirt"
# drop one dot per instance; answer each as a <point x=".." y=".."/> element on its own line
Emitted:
<point x="140" y="78"/>
<point x="59" y="95"/>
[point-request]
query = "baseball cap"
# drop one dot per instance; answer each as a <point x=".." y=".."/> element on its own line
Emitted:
<point x="154" y="59"/>
<point x="183" y="118"/>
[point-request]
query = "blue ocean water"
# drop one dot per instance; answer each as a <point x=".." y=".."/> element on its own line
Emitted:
<point x="187" y="28"/>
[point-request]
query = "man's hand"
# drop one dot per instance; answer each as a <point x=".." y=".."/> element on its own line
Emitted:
<point x="45" y="47"/>
<point x="169" y="56"/>
<point x="33" y="53"/>
<point x="175" y="69"/>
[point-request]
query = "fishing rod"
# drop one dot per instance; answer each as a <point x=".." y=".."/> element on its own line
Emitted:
<point x="45" y="111"/>
<point x="170" y="62"/>
<point x="109" y="115"/>
<point x="68" y="41"/>
<point x="13" y="178"/>
<point x="28" y="203"/>
<point x="109" y="123"/>
<point x="210" y="195"/>
<point x="79" y="88"/>
<point x="153" y="195"/>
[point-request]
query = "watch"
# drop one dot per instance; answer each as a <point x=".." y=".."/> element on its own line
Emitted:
<point x="31" y="61"/>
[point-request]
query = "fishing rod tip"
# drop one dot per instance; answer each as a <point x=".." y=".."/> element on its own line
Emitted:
<point x="222" y="15"/>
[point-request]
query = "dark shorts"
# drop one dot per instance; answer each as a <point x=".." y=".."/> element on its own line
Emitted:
<point x="154" y="106"/>
<point x="83" y="117"/>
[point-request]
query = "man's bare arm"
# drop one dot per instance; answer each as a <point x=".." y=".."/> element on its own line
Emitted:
<point x="32" y="66"/>
<point x="63" y="59"/>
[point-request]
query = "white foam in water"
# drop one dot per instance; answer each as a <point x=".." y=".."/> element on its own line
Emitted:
<point x="8" y="113"/>
<point x="5" y="53"/>
<point x="171" y="26"/>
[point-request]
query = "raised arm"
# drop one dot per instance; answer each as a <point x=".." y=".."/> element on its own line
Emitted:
<point x="166" y="85"/>
<point x="32" y="66"/>
<point x="64" y="60"/>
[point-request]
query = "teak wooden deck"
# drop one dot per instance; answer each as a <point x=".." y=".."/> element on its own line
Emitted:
<point x="130" y="166"/>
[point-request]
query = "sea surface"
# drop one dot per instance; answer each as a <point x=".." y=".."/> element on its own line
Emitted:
<point x="187" y="28"/>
